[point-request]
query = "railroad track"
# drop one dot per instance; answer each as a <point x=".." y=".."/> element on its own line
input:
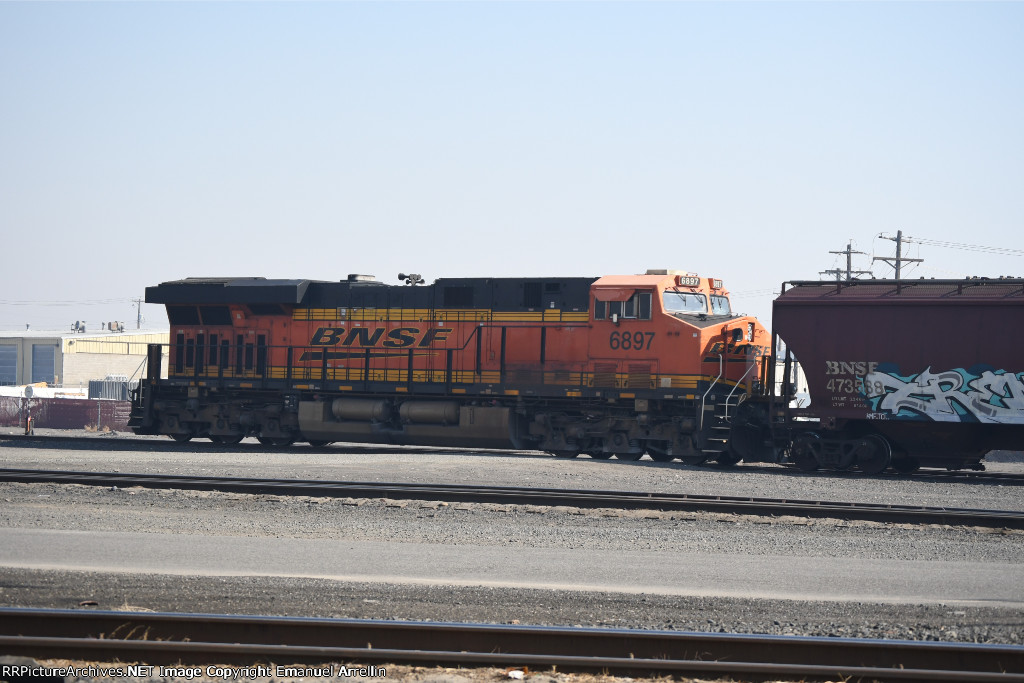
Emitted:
<point x="166" y="445"/>
<point x="162" y="444"/>
<point x="158" y="639"/>
<point x="957" y="476"/>
<point x="580" y="498"/>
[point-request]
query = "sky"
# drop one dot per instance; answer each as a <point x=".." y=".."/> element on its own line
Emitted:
<point x="142" y="142"/>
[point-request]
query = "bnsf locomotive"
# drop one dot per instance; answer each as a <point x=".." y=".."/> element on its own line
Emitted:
<point x="611" y="366"/>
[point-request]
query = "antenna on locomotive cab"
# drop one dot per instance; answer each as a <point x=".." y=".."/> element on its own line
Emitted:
<point x="411" y="278"/>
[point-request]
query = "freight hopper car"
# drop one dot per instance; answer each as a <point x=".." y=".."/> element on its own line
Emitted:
<point x="617" y="365"/>
<point x="905" y="373"/>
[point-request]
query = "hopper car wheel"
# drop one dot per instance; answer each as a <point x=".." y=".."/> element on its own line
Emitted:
<point x="803" y="452"/>
<point x="599" y="455"/>
<point x="182" y="438"/>
<point x="319" y="443"/>
<point x="226" y="439"/>
<point x="630" y="457"/>
<point x="874" y="455"/>
<point x="564" y="454"/>
<point x="906" y="465"/>
<point x="277" y="442"/>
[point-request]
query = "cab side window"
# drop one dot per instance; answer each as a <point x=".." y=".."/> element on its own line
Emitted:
<point x="637" y="307"/>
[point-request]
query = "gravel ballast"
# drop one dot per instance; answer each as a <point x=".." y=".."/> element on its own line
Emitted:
<point x="517" y="528"/>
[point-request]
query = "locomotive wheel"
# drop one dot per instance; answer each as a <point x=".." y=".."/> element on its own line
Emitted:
<point x="599" y="455"/>
<point x="659" y="452"/>
<point x="802" y="452"/>
<point x="631" y="457"/>
<point x="564" y="454"/>
<point x="658" y="455"/>
<point x="277" y="442"/>
<point x="182" y="438"/>
<point x="728" y="458"/>
<point x="226" y="439"/>
<point x="874" y="455"/>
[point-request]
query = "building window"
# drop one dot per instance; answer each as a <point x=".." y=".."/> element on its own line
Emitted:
<point x="43" y="368"/>
<point x="8" y="365"/>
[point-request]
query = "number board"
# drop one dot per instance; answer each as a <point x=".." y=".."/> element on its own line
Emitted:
<point x="689" y="281"/>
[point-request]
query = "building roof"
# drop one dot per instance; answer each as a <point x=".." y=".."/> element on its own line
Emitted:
<point x="100" y="335"/>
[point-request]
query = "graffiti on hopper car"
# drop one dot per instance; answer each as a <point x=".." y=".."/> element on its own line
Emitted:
<point x="993" y="396"/>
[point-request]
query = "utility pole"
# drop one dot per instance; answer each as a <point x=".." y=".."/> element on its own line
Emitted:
<point x="138" y="315"/>
<point x="850" y="272"/>
<point x="899" y="260"/>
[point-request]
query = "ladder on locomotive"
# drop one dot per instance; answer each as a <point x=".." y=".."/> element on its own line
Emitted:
<point x="714" y="418"/>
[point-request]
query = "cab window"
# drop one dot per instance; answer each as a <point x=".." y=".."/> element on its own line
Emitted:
<point x="685" y="302"/>
<point x="720" y="305"/>
<point x="637" y="306"/>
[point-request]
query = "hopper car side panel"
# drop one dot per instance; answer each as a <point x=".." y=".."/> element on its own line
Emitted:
<point x="932" y="368"/>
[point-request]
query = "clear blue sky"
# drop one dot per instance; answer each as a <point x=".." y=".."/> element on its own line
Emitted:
<point x="143" y="142"/>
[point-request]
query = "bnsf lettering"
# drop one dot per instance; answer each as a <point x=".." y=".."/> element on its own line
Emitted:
<point x="738" y="349"/>
<point x="362" y="335"/>
<point x="327" y="336"/>
<point x="400" y="337"/>
<point x="438" y="333"/>
<point x="854" y="368"/>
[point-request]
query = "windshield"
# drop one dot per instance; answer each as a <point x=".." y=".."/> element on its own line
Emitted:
<point x="685" y="302"/>
<point x="720" y="305"/>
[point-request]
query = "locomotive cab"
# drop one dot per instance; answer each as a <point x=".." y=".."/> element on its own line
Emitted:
<point x="679" y="330"/>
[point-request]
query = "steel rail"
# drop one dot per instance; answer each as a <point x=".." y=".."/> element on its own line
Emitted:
<point x="133" y="442"/>
<point x="511" y="495"/>
<point x="165" y="638"/>
<point x="162" y="444"/>
<point x="953" y="477"/>
<point x="967" y="475"/>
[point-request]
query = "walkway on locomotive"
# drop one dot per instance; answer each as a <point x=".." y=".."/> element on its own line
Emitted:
<point x="662" y="334"/>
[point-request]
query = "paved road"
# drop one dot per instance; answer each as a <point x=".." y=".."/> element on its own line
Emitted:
<point x="665" y="573"/>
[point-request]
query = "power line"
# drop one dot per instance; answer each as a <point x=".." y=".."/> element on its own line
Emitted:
<point x="82" y="302"/>
<point x="1005" y="251"/>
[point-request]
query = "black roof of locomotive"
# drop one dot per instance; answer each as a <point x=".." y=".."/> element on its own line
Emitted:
<point x="506" y="294"/>
<point x="230" y="290"/>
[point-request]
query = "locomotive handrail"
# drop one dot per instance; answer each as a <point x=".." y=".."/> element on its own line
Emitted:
<point x="721" y="371"/>
<point x="735" y="387"/>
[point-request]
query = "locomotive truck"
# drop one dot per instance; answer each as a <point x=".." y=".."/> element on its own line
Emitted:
<point x="619" y="365"/>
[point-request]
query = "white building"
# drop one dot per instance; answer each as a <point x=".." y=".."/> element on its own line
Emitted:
<point x="71" y="359"/>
